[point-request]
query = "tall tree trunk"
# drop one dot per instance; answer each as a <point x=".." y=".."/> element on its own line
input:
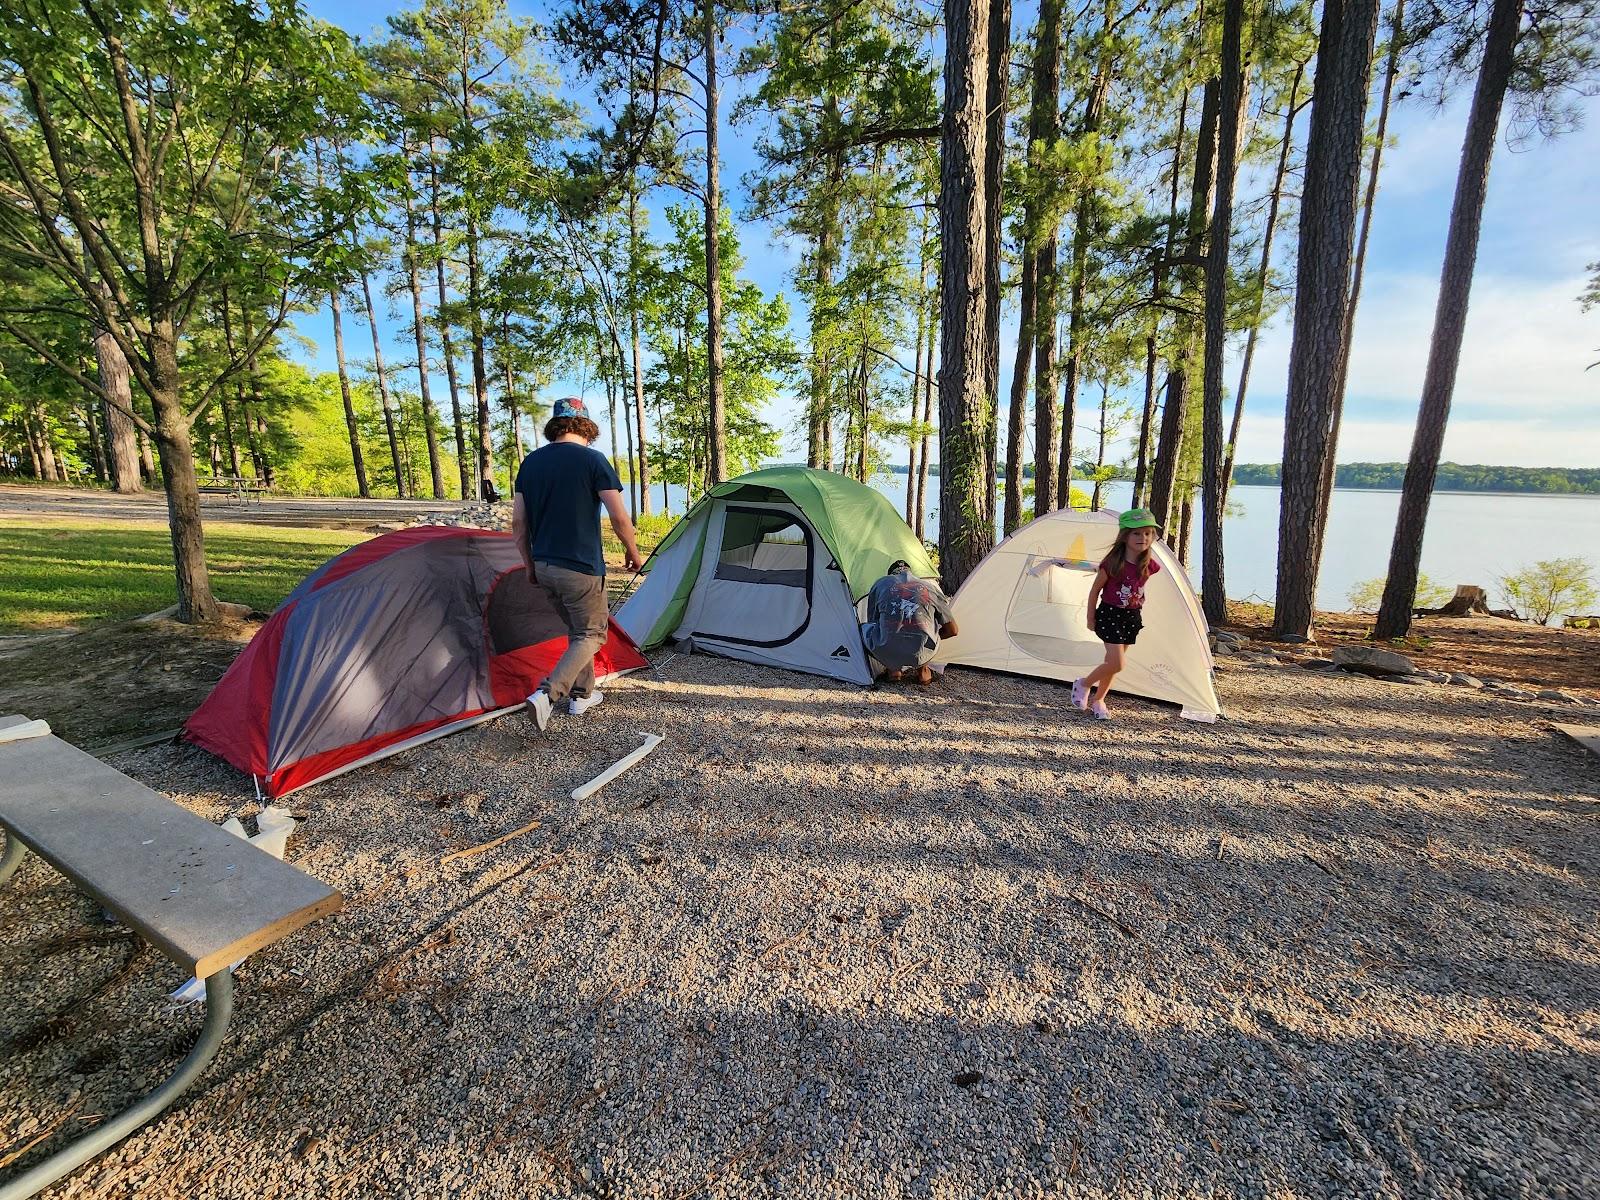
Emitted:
<point x="921" y="526"/>
<point x="1100" y="448"/>
<point x="1141" y="469"/>
<point x="356" y="456"/>
<point x="147" y="461"/>
<point x="638" y="370"/>
<point x="1082" y="235"/>
<point x="229" y="419"/>
<point x="97" y="449"/>
<point x="1234" y="96"/>
<point x="480" y="361"/>
<point x="1390" y="71"/>
<point x="122" y="447"/>
<point x="998" y="86"/>
<point x="1263" y="273"/>
<point x="1019" y="402"/>
<point x="922" y="368"/>
<point x="1322" y="280"/>
<point x="441" y="314"/>
<point x="1450" y="319"/>
<point x="1175" y="410"/>
<point x="383" y="388"/>
<point x="49" y="471"/>
<point x="172" y="436"/>
<point x="717" y="424"/>
<point x="255" y="421"/>
<point x="31" y="435"/>
<point x="419" y="331"/>
<point x="1044" y="131"/>
<point x="966" y="524"/>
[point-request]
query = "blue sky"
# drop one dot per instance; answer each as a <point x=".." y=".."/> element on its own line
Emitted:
<point x="1523" y="396"/>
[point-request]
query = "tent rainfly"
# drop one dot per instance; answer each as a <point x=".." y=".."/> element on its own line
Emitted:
<point x="1023" y="610"/>
<point x="397" y="641"/>
<point x="770" y="568"/>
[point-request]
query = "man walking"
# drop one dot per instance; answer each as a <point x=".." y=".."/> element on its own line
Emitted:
<point x="555" y="517"/>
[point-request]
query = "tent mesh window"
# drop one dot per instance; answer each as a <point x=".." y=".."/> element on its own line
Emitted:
<point x="764" y="547"/>
<point x="521" y="614"/>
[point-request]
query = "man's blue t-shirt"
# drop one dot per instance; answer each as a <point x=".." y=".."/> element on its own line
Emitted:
<point x="560" y="486"/>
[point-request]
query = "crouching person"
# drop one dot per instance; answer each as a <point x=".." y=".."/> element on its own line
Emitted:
<point x="555" y="518"/>
<point x="906" y="618"/>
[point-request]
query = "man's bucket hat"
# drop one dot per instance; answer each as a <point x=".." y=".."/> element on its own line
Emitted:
<point x="1138" y="518"/>
<point x="569" y="406"/>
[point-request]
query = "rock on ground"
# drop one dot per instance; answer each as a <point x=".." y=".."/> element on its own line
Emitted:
<point x="828" y="942"/>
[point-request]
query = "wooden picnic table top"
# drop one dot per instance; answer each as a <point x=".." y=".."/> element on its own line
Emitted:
<point x="202" y="896"/>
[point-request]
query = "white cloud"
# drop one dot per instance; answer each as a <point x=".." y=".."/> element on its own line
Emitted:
<point x="1522" y="393"/>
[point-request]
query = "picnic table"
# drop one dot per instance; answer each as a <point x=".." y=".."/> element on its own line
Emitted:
<point x="200" y="895"/>
<point x="239" y="488"/>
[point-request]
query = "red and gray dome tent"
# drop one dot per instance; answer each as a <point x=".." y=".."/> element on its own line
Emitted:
<point x="395" y="642"/>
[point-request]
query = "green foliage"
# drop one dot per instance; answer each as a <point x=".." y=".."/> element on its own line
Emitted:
<point x="1452" y="477"/>
<point x="1365" y="597"/>
<point x="1551" y="587"/>
<point x="758" y="355"/>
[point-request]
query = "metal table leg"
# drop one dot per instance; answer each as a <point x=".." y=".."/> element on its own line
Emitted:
<point x="219" y="1008"/>
<point x="11" y="859"/>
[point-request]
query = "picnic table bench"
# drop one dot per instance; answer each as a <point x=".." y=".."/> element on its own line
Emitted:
<point x="240" y="488"/>
<point x="200" y="895"/>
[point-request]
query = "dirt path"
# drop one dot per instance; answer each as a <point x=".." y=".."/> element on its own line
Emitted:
<point x="953" y="942"/>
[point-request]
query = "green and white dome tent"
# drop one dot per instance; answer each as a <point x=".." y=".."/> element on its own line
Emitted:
<point x="771" y="568"/>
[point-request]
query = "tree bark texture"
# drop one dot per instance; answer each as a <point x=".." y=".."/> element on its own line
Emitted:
<point x="638" y="369"/>
<point x="1263" y="274"/>
<point x="419" y="330"/>
<point x="383" y="388"/>
<point x="1044" y="131"/>
<point x="921" y="525"/>
<point x="1175" y="411"/>
<point x="122" y="448"/>
<point x="1327" y="235"/>
<point x="1450" y="318"/>
<point x="356" y="456"/>
<point x="994" y="154"/>
<point x="1390" y="71"/>
<point x="966" y="523"/>
<point x="441" y="314"/>
<point x="1018" y="413"/>
<point x="1231" y="103"/>
<point x="717" y="423"/>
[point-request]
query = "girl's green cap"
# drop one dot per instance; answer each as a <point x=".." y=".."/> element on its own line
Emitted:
<point x="1138" y="518"/>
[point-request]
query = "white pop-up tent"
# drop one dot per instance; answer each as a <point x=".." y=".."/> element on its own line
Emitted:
<point x="1023" y="610"/>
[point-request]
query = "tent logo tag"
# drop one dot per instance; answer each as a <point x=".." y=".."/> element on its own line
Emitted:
<point x="841" y="652"/>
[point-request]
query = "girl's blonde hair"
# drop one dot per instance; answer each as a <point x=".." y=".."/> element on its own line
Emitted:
<point x="1114" y="561"/>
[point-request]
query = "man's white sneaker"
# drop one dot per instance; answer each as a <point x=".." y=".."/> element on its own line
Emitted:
<point x="1080" y="694"/>
<point x="578" y="705"/>
<point x="539" y="707"/>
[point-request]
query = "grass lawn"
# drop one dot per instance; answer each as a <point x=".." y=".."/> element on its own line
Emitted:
<point x="65" y="572"/>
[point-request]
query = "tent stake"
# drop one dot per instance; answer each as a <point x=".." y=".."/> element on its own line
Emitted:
<point x="584" y="791"/>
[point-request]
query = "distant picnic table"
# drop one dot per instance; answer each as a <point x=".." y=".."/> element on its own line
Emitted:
<point x="241" y="489"/>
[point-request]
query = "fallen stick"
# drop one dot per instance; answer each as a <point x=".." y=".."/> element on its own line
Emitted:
<point x="585" y="790"/>
<point x="499" y="841"/>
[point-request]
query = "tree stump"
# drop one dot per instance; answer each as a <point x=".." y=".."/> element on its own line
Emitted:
<point x="1469" y="599"/>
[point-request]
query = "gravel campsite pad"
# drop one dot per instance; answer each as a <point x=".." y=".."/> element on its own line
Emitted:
<point x="827" y="942"/>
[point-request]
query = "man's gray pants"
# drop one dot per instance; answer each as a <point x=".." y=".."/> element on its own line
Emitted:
<point x="580" y="601"/>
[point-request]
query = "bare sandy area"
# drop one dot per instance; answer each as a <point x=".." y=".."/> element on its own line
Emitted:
<point x="833" y="942"/>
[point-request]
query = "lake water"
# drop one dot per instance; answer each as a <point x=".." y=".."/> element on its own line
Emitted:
<point x="1471" y="537"/>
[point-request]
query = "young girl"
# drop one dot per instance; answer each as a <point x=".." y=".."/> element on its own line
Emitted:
<point x="1115" y="599"/>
